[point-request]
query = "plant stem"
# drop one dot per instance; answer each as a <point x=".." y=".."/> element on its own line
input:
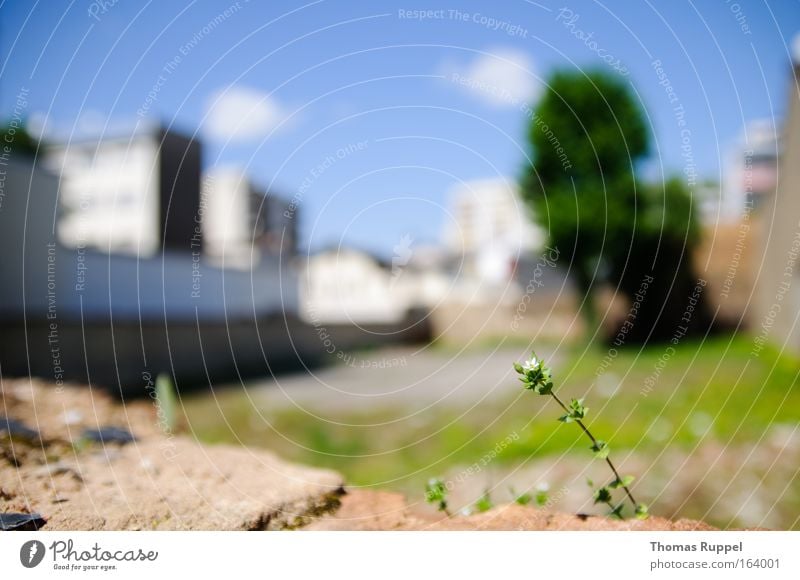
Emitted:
<point x="594" y="441"/>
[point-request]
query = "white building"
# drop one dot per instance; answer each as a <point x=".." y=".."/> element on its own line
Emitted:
<point x="135" y="193"/>
<point x="490" y="226"/>
<point x="751" y="170"/>
<point x="241" y="223"/>
<point x="349" y="286"/>
<point x="776" y="300"/>
<point x="227" y="219"/>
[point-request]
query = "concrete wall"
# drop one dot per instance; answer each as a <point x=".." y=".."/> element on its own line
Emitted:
<point x="78" y="314"/>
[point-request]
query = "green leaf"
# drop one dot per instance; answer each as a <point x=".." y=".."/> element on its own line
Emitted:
<point x="602" y="495"/>
<point x="617" y="512"/>
<point x="600" y="449"/>
<point x="524" y="499"/>
<point x="565" y="418"/>
<point x="576" y="409"/>
<point x="624" y="482"/>
<point x="436" y="492"/>
<point x="536" y="375"/>
<point x="642" y="512"/>
<point x="484" y="504"/>
<point x="167" y="403"/>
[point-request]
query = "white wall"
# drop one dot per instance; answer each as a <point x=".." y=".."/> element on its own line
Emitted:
<point x="180" y="285"/>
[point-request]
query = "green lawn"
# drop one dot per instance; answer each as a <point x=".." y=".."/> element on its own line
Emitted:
<point x="711" y="390"/>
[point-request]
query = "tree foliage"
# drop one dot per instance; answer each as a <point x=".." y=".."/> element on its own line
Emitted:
<point x="17" y="138"/>
<point x="588" y="138"/>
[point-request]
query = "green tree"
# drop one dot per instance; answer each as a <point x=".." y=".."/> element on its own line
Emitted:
<point x="18" y="139"/>
<point x="588" y="136"/>
<point x="666" y="234"/>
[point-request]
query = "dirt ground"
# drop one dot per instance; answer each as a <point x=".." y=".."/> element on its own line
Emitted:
<point x="50" y="465"/>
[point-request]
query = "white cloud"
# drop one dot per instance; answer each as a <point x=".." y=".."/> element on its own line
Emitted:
<point x="503" y="77"/>
<point x="239" y="113"/>
<point x="38" y="125"/>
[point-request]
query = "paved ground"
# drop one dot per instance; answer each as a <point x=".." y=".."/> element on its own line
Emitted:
<point x="413" y="378"/>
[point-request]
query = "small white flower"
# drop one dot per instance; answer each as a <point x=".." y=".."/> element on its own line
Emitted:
<point x="530" y="365"/>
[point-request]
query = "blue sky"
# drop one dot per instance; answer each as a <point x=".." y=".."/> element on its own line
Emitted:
<point x="281" y="87"/>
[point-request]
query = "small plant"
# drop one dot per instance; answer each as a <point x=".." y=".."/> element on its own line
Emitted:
<point x="537" y="377"/>
<point x="167" y="403"/>
<point x="484" y="503"/>
<point x="542" y="497"/>
<point x="436" y="492"/>
<point x="522" y="499"/>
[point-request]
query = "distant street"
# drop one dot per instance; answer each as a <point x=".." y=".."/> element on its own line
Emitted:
<point x="413" y="378"/>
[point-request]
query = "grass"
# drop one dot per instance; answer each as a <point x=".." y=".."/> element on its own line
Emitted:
<point x="712" y="390"/>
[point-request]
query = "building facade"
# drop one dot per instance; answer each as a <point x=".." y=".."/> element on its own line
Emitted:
<point x="135" y="194"/>
<point x="242" y="223"/>
<point x="776" y="300"/>
<point x="491" y="228"/>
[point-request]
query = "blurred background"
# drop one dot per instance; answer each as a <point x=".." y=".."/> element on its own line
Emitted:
<point x="336" y="225"/>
